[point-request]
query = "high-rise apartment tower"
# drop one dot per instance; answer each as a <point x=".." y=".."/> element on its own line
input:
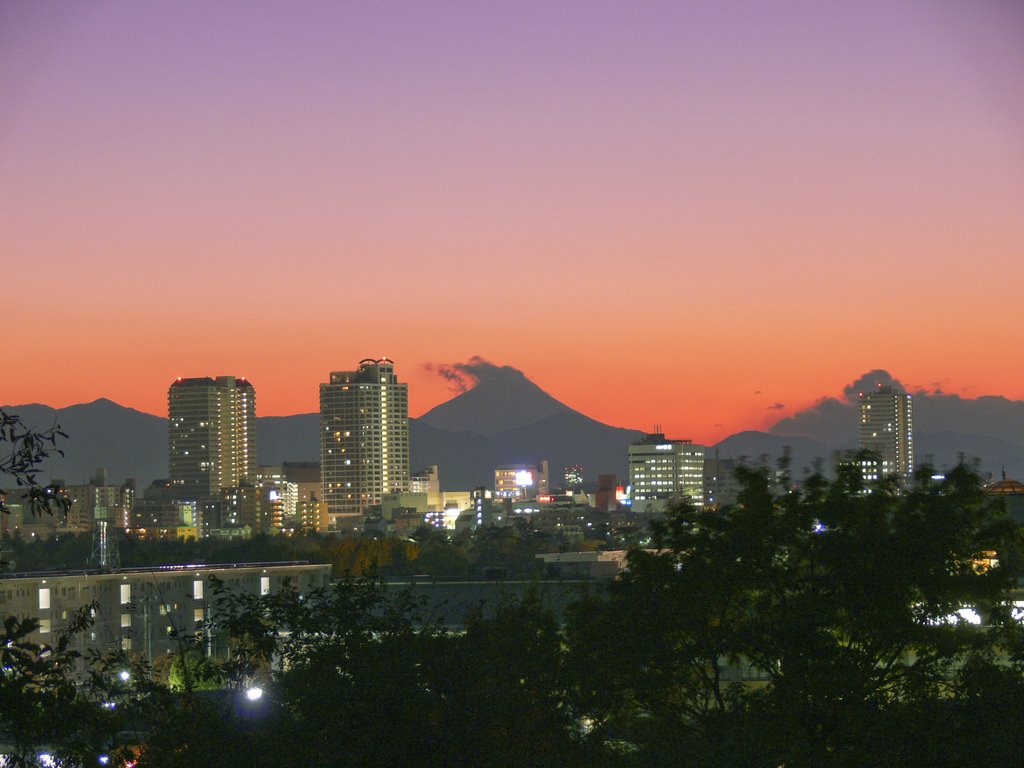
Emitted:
<point x="211" y="435"/>
<point x="887" y="429"/>
<point x="364" y="438"/>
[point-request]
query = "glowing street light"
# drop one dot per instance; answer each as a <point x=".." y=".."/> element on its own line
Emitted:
<point x="254" y="694"/>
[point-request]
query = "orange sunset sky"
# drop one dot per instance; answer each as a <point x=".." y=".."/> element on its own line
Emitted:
<point x="686" y="214"/>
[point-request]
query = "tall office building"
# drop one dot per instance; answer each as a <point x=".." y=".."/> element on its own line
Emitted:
<point x="662" y="470"/>
<point x="887" y="429"/>
<point x="364" y="438"/>
<point x="211" y="435"/>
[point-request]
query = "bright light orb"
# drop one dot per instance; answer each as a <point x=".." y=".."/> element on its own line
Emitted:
<point x="254" y="693"/>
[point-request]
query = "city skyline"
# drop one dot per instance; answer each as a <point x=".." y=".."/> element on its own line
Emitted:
<point x="744" y="207"/>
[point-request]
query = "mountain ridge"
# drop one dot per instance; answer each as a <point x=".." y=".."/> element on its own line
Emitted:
<point x="510" y="420"/>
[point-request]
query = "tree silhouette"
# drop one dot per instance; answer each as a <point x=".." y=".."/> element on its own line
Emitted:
<point x="800" y="625"/>
<point x="20" y="461"/>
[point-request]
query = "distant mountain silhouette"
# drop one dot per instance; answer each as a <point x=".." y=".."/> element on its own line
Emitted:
<point x="502" y="417"/>
<point x="464" y="459"/>
<point x="288" y="438"/>
<point x="563" y="438"/>
<point x="534" y="426"/>
<point x="755" y="446"/>
<point x="494" y="399"/>
<point x="128" y="443"/>
<point x="520" y="423"/>
<point x="945" y="449"/>
<point x="990" y="428"/>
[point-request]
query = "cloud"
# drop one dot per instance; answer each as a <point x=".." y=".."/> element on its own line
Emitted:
<point x="869" y="380"/>
<point x="940" y="417"/>
<point x="464" y="376"/>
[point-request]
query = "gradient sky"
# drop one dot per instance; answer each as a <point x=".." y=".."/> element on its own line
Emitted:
<point x="704" y="215"/>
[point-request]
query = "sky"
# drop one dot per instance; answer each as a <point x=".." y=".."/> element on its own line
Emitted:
<point x="702" y="215"/>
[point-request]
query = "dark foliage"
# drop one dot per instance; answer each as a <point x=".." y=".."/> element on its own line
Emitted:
<point x="20" y="458"/>
<point x="807" y="625"/>
<point x="803" y="628"/>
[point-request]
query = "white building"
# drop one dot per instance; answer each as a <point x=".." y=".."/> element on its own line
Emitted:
<point x="662" y="470"/>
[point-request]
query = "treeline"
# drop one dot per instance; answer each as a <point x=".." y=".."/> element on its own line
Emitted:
<point x="810" y="626"/>
<point x="428" y="551"/>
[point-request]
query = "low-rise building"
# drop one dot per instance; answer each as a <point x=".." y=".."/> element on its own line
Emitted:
<point x="521" y="481"/>
<point x="583" y="565"/>
<point x="143" y="610"/>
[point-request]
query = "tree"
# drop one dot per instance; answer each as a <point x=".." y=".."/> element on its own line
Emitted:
<point x="40" y="704"/>
<point x="846" y="603"/>
<point x="502" y="689"/>
<point x="26" y="449"/>
<point x="191" y="670"/>
<point x="349" y="682"/>
<point x="354" y="675"/>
